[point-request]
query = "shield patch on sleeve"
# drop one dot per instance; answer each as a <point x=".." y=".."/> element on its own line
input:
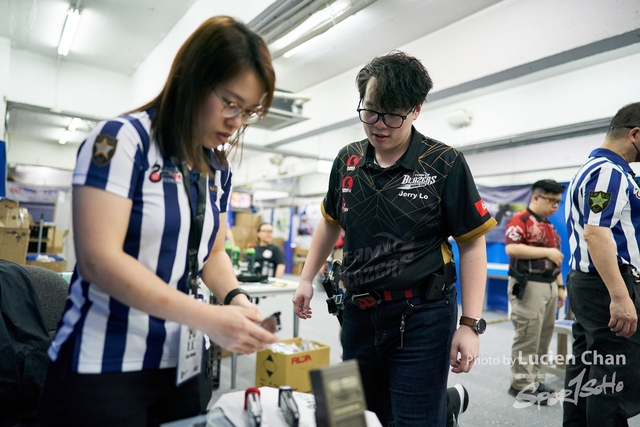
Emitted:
<point x="103" y="149"/>
<point x="598" y="201"/>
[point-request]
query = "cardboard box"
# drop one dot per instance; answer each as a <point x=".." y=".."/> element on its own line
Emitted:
<point x="13" y="244"/>
<point x="243" y="236"/>
<point x="59" y="239"/>
<point x="14" y="231"/>
<point x="6" y="204"/>
<point x="57" y="266"/>
<point x="13" y="216"/>
<point x="278" y="369"/>
<point x="248" y="220"/>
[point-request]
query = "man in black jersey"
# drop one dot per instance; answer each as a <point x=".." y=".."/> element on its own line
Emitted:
<point x="399" y="196"/>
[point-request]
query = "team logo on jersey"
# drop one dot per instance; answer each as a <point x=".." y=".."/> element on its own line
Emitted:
<point x="393" y="244"/>
<point x="344" y="206"/>
<point x="416" y="181"/>
<point x="352" y="162"/>
<point x="167" y="174"/>
<point x="347" y="184"/>
<point x="598" y="201"/>
<point x="481" y="207"/>
<point x="103" y="149"/>
<point x="155" y="175"/>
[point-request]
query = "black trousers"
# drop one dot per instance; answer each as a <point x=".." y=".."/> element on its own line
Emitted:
<point x="602" y="383"/>
<point x="124" y="399"/>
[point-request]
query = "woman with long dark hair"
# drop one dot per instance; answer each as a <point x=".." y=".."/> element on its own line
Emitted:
<point x="150" y="196"/>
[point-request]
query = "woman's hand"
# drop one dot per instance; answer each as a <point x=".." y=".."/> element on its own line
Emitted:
<point x="234" y="327"/>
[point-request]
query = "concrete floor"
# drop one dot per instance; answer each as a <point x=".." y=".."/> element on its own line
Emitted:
<point x="487" y="383"/>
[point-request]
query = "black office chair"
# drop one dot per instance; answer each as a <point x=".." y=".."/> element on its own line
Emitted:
<point x="52" y="292"/>
<point x="24" y="338"/>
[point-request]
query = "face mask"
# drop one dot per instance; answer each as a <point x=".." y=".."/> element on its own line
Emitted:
<point x="637" y="159"/>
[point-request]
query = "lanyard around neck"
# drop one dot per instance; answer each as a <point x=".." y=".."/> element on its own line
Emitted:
<point x="197" y="221"/>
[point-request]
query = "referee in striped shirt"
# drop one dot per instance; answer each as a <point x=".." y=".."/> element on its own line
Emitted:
<point x="602" y="383"/>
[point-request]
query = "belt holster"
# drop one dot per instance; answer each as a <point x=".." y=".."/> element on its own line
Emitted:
<point x="367" y="300"/>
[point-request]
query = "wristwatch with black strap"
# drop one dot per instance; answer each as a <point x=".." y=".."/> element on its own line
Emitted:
<point x="232" y="294"/>
<point x="477" y="324"/>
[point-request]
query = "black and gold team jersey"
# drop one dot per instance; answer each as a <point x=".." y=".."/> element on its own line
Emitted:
<point x="398" y="219"/>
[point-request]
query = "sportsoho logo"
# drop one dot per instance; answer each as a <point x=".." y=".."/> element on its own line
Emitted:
<point x="416" y="181"/>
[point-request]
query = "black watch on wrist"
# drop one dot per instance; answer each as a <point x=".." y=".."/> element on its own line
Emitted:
<point x="479" y="325"/>
<point x="232" y="294"/>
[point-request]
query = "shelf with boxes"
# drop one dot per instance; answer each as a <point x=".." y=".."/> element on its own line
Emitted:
<point x="22" y="243"/>
<point x="45" y="246"/>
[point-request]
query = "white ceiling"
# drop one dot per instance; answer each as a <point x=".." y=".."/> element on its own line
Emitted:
<point x="117" y="35"/>
<point x="470" y="46"/>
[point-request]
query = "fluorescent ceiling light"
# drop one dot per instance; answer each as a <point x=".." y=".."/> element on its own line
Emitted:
<point x="314" y="22"/>
<point x="65" y="137"/>
<point x="69" y="31"/>
<point x="75" y="122"/>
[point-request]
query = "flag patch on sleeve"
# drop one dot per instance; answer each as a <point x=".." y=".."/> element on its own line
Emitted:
<point x="481" y="207"/>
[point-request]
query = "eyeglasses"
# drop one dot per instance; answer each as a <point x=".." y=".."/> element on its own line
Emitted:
<point x="551" y="200"/>
<point x="393" y="121"/>
<point x="265" y="231"/>
<point x="231" y="109"/>
<point x="624" y="126"/>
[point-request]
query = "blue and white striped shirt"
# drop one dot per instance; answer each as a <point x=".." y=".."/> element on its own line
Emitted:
<point x="604" y="193"/>
<point x="120" y="157"/>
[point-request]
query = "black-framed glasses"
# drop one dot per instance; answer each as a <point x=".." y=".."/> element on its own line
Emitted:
<point x="230" y="109"/>
<point x="551" y="199"/>
<point x="391" y="120"/>
<point x="626" y="126"/>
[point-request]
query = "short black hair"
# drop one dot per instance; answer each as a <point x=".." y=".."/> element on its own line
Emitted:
<point x="261" y="224"/>
<point x="402" y="82"/>
<point x="629" y="115"/>
<point x="548" y="186"/>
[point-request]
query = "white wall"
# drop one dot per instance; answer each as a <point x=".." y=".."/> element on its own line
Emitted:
<point x="61" y="86"/>
<point x="575" y="96"/>
<point x="40" y="153"/>
<point x="67" y="86"/>
<point x="506" y="35"/>
<point x="5" y="53"/>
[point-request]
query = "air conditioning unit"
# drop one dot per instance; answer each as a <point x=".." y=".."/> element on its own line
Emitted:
<point x="278" y="119"/>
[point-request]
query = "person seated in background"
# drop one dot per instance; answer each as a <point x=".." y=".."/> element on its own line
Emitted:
<point x="269" y="255"/>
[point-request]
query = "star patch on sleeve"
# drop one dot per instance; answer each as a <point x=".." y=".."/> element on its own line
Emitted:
<point x="103" y="149"/>
<point x="598" y="201"/>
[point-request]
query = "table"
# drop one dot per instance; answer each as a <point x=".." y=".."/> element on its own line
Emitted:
<point x="232" y="404"/>
<point x="258" y="290"/>
<point x="273" y="288"/>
